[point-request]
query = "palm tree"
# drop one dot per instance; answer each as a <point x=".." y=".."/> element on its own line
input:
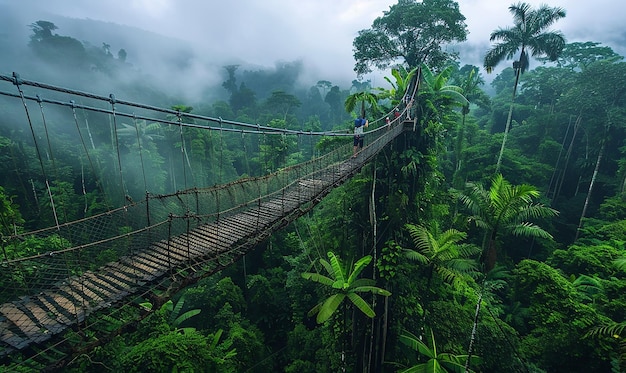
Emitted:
<point x="363" y="97"/>
<point x="505" y="208"/>
<point x="436" y="93"/>
<point x="344" y="284"/>
<point x="438" y="362"/>
<point x="441" y="252"/>
<point x="528" y="36"/>
<point x="399" y="88"/>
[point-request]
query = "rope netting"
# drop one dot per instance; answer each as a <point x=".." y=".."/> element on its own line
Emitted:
<point x="149" y="227"/>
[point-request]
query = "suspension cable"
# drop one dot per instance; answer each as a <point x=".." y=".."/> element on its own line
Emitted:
<point x="17" y="82"/>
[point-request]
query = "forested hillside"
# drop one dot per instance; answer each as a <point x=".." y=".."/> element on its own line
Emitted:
<point x="490" y="239"/>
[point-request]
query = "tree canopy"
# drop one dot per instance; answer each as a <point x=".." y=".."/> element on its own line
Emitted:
<point x="410" y="33"/>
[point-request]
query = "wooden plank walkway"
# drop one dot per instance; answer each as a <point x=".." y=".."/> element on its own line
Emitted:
<point x="36" y="318"/>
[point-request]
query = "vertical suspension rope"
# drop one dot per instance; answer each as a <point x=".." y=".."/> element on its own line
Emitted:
<point x="82" y="141"/>
<point x="258" y="215"/>
<point x="245" y="153"/>
<point x="112" y="101"/>
<point x="143" y="169"/>
<point x="17" y="82"/>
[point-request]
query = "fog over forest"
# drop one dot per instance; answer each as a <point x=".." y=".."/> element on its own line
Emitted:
<point x="189" y="62"/>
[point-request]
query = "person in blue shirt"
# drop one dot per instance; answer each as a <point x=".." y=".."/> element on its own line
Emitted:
<point x="360" y="123"/>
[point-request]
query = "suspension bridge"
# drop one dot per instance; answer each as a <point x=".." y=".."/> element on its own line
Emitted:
<point x="81" y="275"/>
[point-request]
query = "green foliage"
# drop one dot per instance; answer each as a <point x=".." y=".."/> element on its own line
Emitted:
<point x="505" y="209"/>
<point x="528" y="35"/>
<point x="178" y="352"/>
<point x="581" y="259"/>
<point x="441" y="252"/>
<point x="392" y="36"/>
<point x="176" y="318"/>
<point x="345" y="284"/>
<point x="390" y="256"/>
<point x="558" y="321"/>
<point x="437" y="362"/>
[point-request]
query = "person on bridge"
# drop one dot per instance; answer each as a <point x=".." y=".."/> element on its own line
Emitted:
<point x="359" y="124"/>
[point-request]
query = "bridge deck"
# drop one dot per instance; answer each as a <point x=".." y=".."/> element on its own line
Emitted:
<point x="36" y="318"/>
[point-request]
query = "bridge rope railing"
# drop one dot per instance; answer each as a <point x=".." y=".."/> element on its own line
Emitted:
<point x="34" y="261"/>
<point x="105" y="236"/>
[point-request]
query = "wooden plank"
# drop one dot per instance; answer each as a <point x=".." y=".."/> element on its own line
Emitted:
<point x="156" y="262"/>
<point x="81" y="301"/>
<point x="109" y="279"/>
<point x="52" y="309"/>
<point x="21" y="320"/>
<point x="9" y="337"/>
<point x="79" y="285"/>
<point x="214" y="238"/>
<point x="43" y="317"/>
<point x="207" y="242"/>
<point x="186" y="247"/>
<point x="238" y="226"/>
<point x="94" y="283"/>
<point x="180" y="244"/>
<point x="63" y="303"/>
<point x="163" y="251"/>
<point x="121" y="270"/>
<point x="199" y="246"/>
<point x="147" y="271"/>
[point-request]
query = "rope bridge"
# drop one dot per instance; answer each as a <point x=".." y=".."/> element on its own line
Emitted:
<point x="89" y="275"/>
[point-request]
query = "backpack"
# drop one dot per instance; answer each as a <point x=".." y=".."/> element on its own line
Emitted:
<point x="358" y="122"/>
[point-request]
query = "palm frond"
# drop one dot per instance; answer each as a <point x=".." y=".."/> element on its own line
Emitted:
<point x="527" y="229"/>
<point x="416" y="256"/>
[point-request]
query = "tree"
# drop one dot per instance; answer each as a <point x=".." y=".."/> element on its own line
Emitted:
<point x="345" y="284"/>
<point x="470" y="87"/>
<point x="578" y="56"/>
<point x="410" y="33"/>
<point x="441" y="252"/>
<point x="504" y="208"/>
<point x="605" y="106"/>
<point x="403" y="79"/>
<point x="528" y="36"/>
<point x="53" y="48"/>
<point x="363" y="97"/>
<point x="436" y="96"/>
<point x="281" y="102"/>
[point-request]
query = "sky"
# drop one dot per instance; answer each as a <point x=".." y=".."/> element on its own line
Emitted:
<point x="319" y="32"/>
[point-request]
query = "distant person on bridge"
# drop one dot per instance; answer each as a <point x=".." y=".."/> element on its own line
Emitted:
<point x="359" y="124"/>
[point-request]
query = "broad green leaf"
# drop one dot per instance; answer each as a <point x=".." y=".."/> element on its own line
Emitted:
<point x="329" y="307"/>
<point x="372" y="289"/>
<point x="185" y="316"/>
<point x="318" y="278"/>
<point x="358" y="267"/>
<point x="361" y="304"/>
<point x="336" y="265"/>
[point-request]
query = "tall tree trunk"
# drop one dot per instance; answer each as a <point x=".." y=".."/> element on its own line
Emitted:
<point x="473" y="335"/>
<point x="459" y="150"/>
<point x="567" y="157"/>
<point x="384" y="339"/>
<point x="593" y="179"/>
<point x="368" y="367"/>
<point x="555" y="174"/>
<point x="518" y="72"/>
